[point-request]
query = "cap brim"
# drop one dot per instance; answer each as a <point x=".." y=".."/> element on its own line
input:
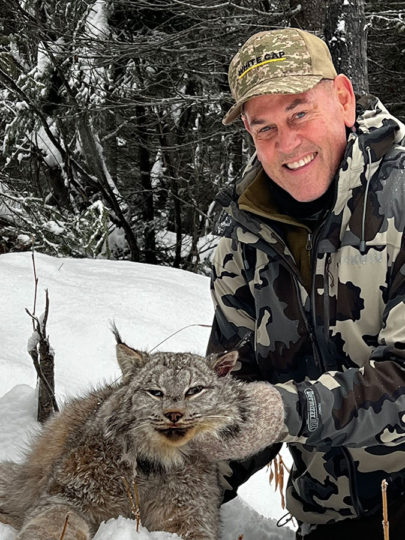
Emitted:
<point x="294" y="84"/>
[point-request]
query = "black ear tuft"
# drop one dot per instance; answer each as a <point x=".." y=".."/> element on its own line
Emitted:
<point x="114" y="330"/>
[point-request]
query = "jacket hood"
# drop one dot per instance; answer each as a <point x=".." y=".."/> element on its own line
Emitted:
<point x="372" y="116"/>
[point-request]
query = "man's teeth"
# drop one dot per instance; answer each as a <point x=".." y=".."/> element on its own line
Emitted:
<point x="301" y="162"/>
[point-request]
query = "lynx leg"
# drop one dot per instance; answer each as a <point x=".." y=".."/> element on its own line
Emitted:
<point x="49" y="522"/>
<point x="192" y="512"/>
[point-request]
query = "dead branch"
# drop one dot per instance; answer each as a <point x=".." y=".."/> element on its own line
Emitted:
<point x="42" y="356"/>
<point x="43" y="359"/>
<point x="277" y="467"/>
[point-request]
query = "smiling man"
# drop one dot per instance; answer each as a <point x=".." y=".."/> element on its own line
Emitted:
<point x="308" y="281"/>
<point x="300" y="139"/>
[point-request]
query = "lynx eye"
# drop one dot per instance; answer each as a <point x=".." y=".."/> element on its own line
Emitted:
<point x="194" y="390"/>
<point x="155" y="393"/>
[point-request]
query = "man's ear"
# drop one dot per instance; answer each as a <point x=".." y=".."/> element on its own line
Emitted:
<point x="246" y="123"/>
<point x="345" y="94"/>
<point x="223" y="364"/>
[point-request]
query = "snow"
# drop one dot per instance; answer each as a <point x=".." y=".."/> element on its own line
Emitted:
<point x="96" y="23"/>
<point x="50" y="153"/>
<point x="341" y="27"/>
<point x="54" y="227"/>
<point x="149" y="305"/>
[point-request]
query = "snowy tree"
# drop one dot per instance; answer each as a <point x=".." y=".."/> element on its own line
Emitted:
<point x="346" y="34"/>
<point x="112" y="142"/>
<point x="386" y="50"/>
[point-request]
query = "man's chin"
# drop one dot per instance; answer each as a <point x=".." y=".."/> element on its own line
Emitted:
<point x="308" y="195"/>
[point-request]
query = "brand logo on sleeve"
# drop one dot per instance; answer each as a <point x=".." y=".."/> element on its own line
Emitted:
<point x="312" y="410"/>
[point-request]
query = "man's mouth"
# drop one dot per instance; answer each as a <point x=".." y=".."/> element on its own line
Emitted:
<point x="294" y="165"/>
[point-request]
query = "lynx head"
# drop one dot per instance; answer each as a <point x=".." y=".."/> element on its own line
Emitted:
<point x="175" y="396"/>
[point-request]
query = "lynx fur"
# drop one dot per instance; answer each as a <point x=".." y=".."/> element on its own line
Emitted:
<point x="165" y="426"/>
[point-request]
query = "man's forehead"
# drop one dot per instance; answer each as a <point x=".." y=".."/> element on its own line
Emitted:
<point x="260" y="106"/>
<point x="296" y="102"/>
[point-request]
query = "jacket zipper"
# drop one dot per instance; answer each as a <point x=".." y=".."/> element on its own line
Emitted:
<point x="350" y="466"/>
<point x="326" y="303"/>
<point x="309" y="241"/>
<point x="307" y="321"/>
<point x="312" y="248"/>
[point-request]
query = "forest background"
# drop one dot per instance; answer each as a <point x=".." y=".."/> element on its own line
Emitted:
<point x="110" y="115"/>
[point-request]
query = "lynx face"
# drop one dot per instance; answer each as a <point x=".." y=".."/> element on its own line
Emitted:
<point x="175" y="396"/>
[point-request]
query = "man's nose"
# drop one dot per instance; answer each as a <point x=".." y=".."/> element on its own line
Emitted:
<point x="288" y="140"/>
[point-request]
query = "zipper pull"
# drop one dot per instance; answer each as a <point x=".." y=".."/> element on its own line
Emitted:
<point x="309" y="241"/>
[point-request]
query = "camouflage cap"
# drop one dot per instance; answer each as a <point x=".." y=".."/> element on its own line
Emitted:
<point x="285" y="61"/>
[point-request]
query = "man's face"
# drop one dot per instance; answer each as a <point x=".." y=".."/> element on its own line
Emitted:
<point x="300" y="138"/>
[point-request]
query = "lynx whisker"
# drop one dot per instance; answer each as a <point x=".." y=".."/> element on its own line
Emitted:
<point x="219" y="417"/>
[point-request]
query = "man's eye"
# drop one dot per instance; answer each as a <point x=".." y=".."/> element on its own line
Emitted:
<point x="194" y="390"/>
<point x="300" y="115"/>
<point x="155" y="393"/>
<point x="266" y="132"/>
<point x="266" y="129"/>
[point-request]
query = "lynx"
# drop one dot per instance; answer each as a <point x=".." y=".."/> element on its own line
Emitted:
<point x="162" y="431"/>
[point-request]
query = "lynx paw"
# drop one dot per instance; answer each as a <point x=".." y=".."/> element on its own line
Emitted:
<point x="49" y="523"/>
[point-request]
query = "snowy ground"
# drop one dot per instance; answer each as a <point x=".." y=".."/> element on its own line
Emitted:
<point x="148" y="304"/>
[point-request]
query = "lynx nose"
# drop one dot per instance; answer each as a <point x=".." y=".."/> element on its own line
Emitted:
<point x="173" y="416"/>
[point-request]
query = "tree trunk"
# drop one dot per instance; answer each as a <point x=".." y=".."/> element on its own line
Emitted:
<point x="148" y="207"/>
<point x="345" y="31"/>
<point x="46" y="392"/>
<point x="94" y="159"/>
<point x="311" y="16"/>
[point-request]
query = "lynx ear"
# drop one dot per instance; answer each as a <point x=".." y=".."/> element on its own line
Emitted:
<point x="223" y="364"/>
<point x="128" y="359"/>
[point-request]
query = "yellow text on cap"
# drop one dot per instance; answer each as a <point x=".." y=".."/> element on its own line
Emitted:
<point x="261" y="64"/>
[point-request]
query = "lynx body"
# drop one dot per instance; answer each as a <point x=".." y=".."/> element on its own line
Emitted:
<point x="163" y="428"/>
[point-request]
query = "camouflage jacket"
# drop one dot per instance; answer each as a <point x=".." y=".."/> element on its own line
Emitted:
<point x="337" y="351"/>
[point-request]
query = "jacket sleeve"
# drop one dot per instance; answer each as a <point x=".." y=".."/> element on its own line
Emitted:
<point x="362" y="406"/>
<point x="234" y="319"/>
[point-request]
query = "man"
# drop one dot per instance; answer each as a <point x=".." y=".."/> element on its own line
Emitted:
<point x="308" y="281"/>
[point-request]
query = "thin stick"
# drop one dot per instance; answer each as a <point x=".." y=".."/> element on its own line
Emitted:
<point x="35" y="286"/>
<point x="177" y="331"/>
<point x="64" y="527"/>
<point x="134" y="504"/>
<point x="138" y="512"/>
<point x="385" y="522"/>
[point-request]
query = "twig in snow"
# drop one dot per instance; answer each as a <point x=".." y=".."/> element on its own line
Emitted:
<point x="385" y="522"/>
<point x="64" y="527"/>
